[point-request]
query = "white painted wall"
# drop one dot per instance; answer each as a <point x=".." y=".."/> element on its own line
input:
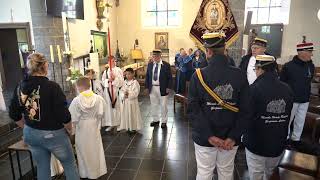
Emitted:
<point x="80" y="30"/>
<point x="20" y="10"/>
<point x="303" y="21"/>
<point x="130" y="27"/>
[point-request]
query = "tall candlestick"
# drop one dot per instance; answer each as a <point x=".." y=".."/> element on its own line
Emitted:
<point x="51" y="53"/>
<point x="59" y="54"/>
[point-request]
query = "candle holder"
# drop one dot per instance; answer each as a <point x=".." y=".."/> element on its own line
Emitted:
<point x="53" y="71"/>
<point x="61" y="76"/>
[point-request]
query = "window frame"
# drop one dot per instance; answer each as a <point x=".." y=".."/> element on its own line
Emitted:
<point x="156" y="11"/>
<point x="258" y="7"/>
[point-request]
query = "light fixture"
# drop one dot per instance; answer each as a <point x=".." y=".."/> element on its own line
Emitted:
<point x="319" y="14"/>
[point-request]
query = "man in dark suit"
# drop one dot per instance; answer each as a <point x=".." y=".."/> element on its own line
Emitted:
<point x="158" y="82"/>
<point x="248" y="62"/>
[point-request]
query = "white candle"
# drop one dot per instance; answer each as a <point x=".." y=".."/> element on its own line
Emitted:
<point x="51" y="54"/>
<point x="59" y="54"/>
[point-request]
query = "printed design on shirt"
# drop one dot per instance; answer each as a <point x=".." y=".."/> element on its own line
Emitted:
<point x="32" y="104"/>
<point x="277" y="106"/>
<point x="224" y="91"/>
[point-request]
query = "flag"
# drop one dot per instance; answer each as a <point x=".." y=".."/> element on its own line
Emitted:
<point x="214" y="16"/>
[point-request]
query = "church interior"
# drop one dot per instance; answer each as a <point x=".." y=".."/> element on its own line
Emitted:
<point x="80" y="35"/>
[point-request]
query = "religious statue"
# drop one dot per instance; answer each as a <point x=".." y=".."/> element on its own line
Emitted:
<point x="100" y="8"/>
<point x="214" y="16"/>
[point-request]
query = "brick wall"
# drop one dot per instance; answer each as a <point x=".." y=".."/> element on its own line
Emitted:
<point x="47" y="30"/>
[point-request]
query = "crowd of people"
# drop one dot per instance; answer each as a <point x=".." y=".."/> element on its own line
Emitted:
<point x="254" y="104"/>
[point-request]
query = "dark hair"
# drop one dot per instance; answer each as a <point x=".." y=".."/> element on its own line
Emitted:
<point x="130" y="70"/>
<point x="181" y="49"/>
<point x="217" y="51"/>
<point x="270" y="67"/>
<point x="87" y="71"/>
<point x="83" y="82"/>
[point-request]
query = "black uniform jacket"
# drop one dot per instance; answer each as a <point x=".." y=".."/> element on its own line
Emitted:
<point x="271" y="103"/>
<point x="298" y="75"/>
<point x="209" y="118"/>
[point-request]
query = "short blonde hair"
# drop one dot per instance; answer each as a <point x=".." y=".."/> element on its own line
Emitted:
<point x="35" y="63"/>
<point x="83" y="82"/>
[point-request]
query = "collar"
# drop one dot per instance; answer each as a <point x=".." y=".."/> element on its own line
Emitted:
<point x="268" y="75"/>
<point x="158" y="62"/>
<point x="297" y="60"/>
<point x="87" y="93"/>
<point x="218" y="60"/>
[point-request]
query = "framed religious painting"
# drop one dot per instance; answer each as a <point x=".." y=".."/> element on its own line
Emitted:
<point x="161" y="40"/>
<point x="99" y="43"/>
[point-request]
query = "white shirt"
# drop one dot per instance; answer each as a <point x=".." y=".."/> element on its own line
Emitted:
<point x="157" y="82"/>
<point x="251" y="74"/>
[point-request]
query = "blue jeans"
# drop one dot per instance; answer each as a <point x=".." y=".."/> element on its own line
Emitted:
<point x="42" y="143"/>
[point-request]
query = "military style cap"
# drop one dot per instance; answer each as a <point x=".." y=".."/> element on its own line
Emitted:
<point x="260" y="42"/>
<point x="156" y="52"/>
<point x="214" y="40"/>
<point x="264" y="60"/>
<point x="305" y="47"/>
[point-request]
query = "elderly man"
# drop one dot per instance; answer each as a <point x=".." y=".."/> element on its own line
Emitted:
<point x="248" y="62"/>
<point x="298" y="74"/>
<point x="158" y="82"/>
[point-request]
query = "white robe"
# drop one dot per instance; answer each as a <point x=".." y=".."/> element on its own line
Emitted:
<point x="98" y="87"/>
<point x="87" y="113"/>
<point x="130" y="111"/>
<point x="112" y="114"/>
<point x="2" y="103"/>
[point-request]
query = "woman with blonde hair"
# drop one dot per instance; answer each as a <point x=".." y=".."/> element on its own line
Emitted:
<point x="39" y="107"/>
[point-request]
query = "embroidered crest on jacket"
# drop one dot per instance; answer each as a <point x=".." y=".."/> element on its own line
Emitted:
<point x="224" y="91"/>
<point x="277" y="106"/>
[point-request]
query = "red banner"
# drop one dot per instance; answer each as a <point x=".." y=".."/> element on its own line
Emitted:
<point x="214" y="16"/>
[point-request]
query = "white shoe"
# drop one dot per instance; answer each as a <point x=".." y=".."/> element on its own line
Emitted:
<point x="109" y="128"/>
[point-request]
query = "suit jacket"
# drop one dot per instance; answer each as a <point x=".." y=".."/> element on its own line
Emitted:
<point x="244" y="62"/>
<point x="165" y="77"/>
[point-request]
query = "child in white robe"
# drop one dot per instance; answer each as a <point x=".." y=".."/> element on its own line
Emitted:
<point x="96" y="84"/>
<point x="87" y="113"/>
<point x="130" y="112"/>
<point x="115" y="80"/>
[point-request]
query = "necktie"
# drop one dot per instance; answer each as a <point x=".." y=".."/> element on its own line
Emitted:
<point x="155" y="73"/>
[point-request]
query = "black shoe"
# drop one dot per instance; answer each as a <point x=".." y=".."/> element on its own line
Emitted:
<point x="163" y="125"/>
<point x="154" y="124"/>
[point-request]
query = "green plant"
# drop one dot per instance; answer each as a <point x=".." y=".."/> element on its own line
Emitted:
<point x="74" y="75"/>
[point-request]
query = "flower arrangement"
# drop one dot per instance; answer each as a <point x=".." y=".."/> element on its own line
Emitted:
<point x="74" y="75"/>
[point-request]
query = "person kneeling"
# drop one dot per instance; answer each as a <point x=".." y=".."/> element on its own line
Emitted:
<point x="87" y="113"/>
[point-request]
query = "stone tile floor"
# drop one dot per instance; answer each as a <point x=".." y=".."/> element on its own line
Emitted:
<point x="152" y="154"/>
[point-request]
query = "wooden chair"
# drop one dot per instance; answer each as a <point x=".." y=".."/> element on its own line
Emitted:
<point x="285" y="174"/>
<point x="182" y="98"/>
<point x="299" y="162"/>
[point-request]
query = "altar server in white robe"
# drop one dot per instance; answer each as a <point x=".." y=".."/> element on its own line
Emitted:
<point x="96" y="84"/>
<point x="87" y="113"/>
<point x="115" y="79"/>
<point x="130" y="112"/>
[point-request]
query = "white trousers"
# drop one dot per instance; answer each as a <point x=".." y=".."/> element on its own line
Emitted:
<point x="210" y="157"/>
<point x="157" y="100"/>
<point x="298" y="116"/>
<point x="259" y="167"/>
